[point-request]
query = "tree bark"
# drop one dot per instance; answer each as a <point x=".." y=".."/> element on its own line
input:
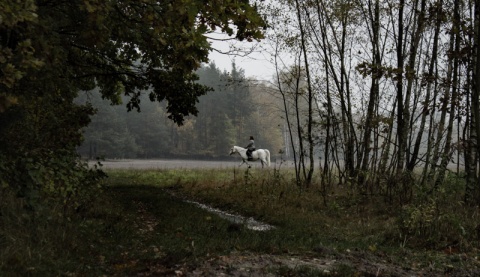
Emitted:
<point x="308" y="178"/>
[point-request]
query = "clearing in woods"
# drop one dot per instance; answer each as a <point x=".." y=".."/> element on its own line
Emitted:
<point x="175" y="237"/>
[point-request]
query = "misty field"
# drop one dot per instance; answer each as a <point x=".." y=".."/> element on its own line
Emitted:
<point x="171" y="164"/>
<point x="234" y="162"/>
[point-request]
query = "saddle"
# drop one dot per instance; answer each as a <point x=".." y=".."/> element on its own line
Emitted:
<point x="249" y="155"/>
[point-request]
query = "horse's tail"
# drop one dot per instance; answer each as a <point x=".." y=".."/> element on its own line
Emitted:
<point x="268" y="157"/>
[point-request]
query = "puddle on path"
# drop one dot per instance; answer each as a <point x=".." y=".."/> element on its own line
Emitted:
<point x="249" y="222"/>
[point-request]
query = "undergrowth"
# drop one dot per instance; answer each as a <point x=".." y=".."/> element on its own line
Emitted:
<point x="437" y="224"/>
<point x="139" y="221"/>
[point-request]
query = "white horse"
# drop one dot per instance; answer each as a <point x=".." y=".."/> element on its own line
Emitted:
<point x="260" y="154"/>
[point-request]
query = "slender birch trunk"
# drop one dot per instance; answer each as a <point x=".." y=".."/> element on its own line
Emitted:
<point x="311" y="168"/>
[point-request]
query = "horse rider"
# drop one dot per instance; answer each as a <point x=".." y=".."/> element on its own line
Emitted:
<point x="250" y="148"/>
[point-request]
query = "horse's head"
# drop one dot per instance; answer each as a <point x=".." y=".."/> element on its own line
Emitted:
<point x="233" y="150"/>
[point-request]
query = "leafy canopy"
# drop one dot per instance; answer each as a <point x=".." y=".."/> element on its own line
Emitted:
<point x="52" y="49"/>
<point x="121" y="46"/>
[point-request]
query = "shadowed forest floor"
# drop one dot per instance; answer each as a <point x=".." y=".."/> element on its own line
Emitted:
<point x="148" y="223"/>
<point x="203" y="246"/>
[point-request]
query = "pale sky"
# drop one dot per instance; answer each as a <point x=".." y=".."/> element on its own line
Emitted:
<point x="255" y="64"/>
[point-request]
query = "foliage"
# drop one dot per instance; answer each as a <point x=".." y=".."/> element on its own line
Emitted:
<point x="51" y="50"/>
<point x="120" y="46"/>
<point x="37" y="144"/>
<point x="437" y="218"/>
<point x="390" y="99"/>
<point x="52" y="177"/>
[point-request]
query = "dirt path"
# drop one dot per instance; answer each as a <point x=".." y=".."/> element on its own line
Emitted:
<point x="240" y="264"/>
<point x="248" y="264"/>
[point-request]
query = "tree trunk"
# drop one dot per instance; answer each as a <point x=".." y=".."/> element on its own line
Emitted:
<point x="364" y="151"/>
<point x="311" y="168"/>
<point x="437" y="151"/>
<point x="447" y="151"/>
<point x="472" y="194"/>
<point x="425" y="109"/>
<point x="402" y="131"/>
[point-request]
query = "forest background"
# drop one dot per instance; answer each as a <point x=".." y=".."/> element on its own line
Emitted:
<point x="234" y="110"/>
<point x="383" y="93"/>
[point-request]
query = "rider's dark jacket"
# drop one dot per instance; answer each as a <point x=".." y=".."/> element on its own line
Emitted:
<point x="251" y="145"/>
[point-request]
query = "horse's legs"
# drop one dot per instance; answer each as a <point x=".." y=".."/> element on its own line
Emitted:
<point x="245" y="162"/>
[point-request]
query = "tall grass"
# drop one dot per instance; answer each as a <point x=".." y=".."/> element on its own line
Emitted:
<point x="434" y="224"/>
<point x="140" y="220"/>
<point x="430" y="220"/>
<point x="275" y="199"/>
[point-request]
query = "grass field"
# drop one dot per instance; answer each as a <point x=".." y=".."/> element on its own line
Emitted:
<point x="141" y="226"/>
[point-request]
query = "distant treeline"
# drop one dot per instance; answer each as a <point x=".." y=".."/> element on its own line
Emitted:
<point x="228" y="115"/>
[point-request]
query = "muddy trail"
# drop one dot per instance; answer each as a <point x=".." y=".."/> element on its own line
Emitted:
<point x="181" y="239"/>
